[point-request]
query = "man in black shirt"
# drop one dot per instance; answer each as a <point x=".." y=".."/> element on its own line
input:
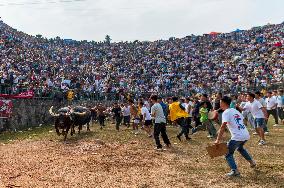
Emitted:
<point x="204" y="99"/>
<point x="218" y="108"/>
<point x="197" y="106"/>
<point x="117" y="115"/>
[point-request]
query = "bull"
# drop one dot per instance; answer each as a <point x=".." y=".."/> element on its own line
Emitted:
<point x="81" y="116"/>
<point x="67" y="119"/>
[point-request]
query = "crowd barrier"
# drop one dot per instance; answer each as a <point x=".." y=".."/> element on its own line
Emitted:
<point x="59" y="95"/>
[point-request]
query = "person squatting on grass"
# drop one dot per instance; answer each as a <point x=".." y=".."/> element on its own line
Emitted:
<point x="233" y="120"/>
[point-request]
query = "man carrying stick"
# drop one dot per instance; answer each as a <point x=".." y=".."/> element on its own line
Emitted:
<point x="233" y="120"/>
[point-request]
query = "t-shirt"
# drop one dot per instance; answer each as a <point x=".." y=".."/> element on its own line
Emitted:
<point x="217" y="106"/>
<point x="144" y="110"/>
<point x="235" y="124"/>
<point x="159" y="114"/>
<point x="116" y="111"/>
<point x="177" y="112"/>
<point x="126" y="111"/>
<point x="270" y="102"/>
<point x="203" y="114"/>
<point x="262" y="102"/>
<point x="255" y="109"/>
<point x="165" y="108"/>
<point x="279" y="100"/>
<point x="189" y="111"/>
<point x="245" y="111"/>
<point x="147" y="105"/>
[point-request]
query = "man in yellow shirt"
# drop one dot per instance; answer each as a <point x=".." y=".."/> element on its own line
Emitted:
<point x="178" y="115"/>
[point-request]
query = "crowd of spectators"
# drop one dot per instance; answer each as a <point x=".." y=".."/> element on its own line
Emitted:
<point x="214" y="62"/>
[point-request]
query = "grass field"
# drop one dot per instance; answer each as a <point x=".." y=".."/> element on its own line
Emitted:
<point x="107" y="158"/>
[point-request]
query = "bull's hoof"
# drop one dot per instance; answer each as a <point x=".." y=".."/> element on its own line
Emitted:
<point x="58" y="134"/>
<point x="88" y="130"/>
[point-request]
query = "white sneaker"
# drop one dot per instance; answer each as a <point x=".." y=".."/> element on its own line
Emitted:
<point x="276" y="125"/>
<point x="254" y="133"/>
<point x="233" y="173"/>
<point x="261" y="143"/>
<point x="266" y="133"/>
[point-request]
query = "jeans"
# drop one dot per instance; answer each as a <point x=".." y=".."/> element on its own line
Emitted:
<point x="197" y="121"/>
<point x="211" y="129"/>
<point x="101" y="120"/>
<point x="273" y="112"/>
<point x="260" y="123"/>
<point x="280" y="113"/>
<point x="184" y="127"/>
<point x="207" y="125"/>
<point x="160" y="128"/>
<point x="126" y="120"/>
<point x="188" y="122"/>
<point x="251" y="120"/>
<point x="118" y="120"/>
<point x="232" y="146"/>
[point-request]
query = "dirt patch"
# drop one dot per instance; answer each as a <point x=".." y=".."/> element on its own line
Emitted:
<point x="106" y="158"/>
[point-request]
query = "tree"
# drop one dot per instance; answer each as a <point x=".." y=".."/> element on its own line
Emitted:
<point x="107" y="39"/>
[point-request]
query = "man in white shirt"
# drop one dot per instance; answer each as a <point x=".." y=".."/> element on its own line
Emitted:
<point x="126" y="115"/>
<point x="146" y="118"/>
<point x="233" y="120"/>
<point x="280" y="105"/>
<point x="188" y="108"/>
<point x="271" y="106"/>
<point x="259" y="114"/>
<point x="259" y="98"/>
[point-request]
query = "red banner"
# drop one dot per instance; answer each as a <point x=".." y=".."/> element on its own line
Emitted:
<point x="5" y="108"/>
<point x="23" y="95"/>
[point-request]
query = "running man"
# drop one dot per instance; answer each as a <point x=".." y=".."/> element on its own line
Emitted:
<point x="233" y="120"/>
<point x="160" y="123"/>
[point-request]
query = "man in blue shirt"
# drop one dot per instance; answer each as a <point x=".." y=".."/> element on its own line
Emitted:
<point x="164" y="106"/>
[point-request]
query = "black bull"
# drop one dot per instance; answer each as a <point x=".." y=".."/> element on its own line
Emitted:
<point x="65" y="120"/>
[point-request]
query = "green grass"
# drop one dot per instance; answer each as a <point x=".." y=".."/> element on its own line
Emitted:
<point x="34" y="133"/>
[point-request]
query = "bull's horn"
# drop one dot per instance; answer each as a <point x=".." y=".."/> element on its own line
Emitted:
<point x="52" y="113"/>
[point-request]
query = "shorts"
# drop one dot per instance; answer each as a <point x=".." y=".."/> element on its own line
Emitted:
<point x="148" y="123"/>
<point x="136" y="120"/>
<point x="259" y="123"/>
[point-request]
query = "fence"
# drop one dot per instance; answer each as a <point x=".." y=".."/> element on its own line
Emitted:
<point x="79" y="95"/>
